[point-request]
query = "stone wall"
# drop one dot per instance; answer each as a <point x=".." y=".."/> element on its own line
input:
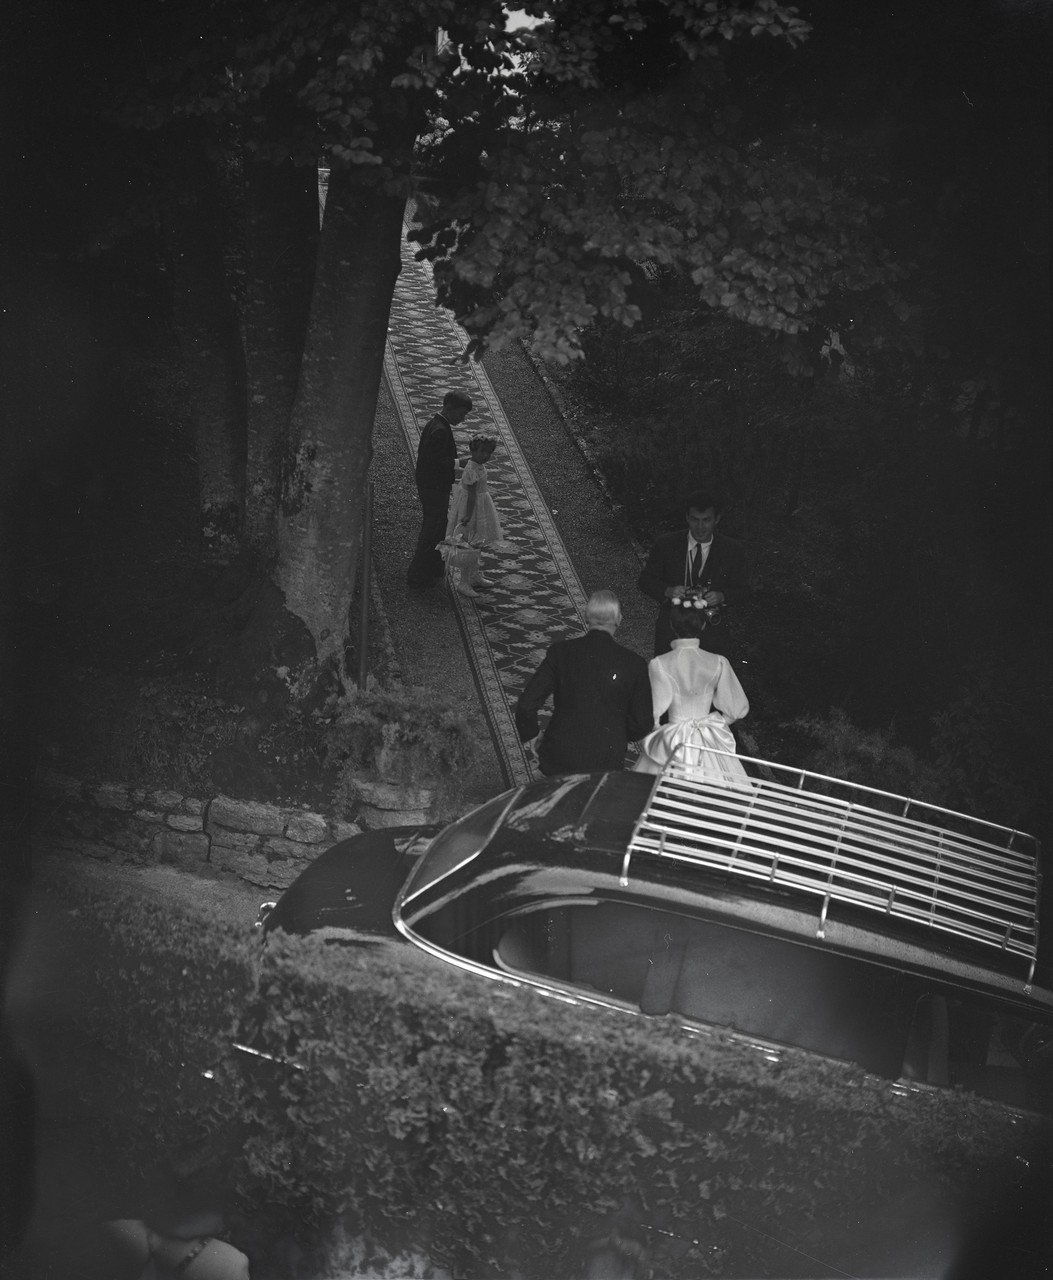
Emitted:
<point x="264" y="844"/>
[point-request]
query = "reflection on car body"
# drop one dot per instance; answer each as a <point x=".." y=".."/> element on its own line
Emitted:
<point x="797" y="910"/>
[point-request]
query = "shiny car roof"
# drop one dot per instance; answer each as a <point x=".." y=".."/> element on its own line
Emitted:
<point x="839" y="853"/>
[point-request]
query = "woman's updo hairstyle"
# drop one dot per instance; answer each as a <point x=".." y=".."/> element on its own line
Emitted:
<point x="688" y="623"/>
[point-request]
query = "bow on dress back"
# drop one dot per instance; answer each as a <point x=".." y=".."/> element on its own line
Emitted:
<point x="701" y="695"/>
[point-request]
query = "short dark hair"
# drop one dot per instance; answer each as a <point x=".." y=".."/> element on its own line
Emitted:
<point x="461" y="398"/>
<point x="700" y="500"/>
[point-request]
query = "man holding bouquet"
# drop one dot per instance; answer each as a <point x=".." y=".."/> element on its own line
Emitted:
<point x="696" y="562"/>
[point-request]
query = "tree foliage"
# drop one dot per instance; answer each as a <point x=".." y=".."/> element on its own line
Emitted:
<point x="623" y="145"/>
<point x="896" y="497"/>
<point x="551" y="155"/>
<point x="547" y="163"/>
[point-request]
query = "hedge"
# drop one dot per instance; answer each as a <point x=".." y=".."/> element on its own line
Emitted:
<point x="149" y="1062"/>
<point x="492" y="1127"/>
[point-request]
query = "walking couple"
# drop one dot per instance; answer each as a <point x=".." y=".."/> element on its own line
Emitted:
<point x="468" y="526"/>
<point x="605" y="696"/>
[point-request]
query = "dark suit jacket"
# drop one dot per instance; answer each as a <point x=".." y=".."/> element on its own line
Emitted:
<point x="725" y="570"/>
<point x="436" y="455"/>
<point x="602" y="701"/>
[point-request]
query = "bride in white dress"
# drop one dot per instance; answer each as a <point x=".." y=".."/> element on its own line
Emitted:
<point x="703" y="696"/>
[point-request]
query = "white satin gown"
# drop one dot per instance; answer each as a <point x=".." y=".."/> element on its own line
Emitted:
<point x="702" y="696"/>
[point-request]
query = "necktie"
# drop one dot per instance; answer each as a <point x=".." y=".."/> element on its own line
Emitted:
<point x="696" y="564"/>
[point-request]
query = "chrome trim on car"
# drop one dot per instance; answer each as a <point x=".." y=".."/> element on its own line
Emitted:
<point x="267" y="1057"/>
<point x="513" y="978"/>
<point x="965" y="877"/>
<point x="623" y="879"/>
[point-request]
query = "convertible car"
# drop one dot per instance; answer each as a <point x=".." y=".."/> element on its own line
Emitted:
<point x="792" y="909"/>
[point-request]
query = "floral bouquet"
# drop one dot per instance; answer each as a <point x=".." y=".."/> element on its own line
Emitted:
<point x="695" y="598"/>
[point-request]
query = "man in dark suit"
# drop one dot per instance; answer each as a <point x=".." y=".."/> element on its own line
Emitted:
<point x="601" y="697"/>
<point x="697" y="557"/>
<point x="436" y="463"/>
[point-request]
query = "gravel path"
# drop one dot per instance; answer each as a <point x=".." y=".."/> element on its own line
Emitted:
<point x="423" y="624"/>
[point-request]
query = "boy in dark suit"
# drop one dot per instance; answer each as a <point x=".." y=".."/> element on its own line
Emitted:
<point x="695" y="557"/>
<point x="601" y="697"/>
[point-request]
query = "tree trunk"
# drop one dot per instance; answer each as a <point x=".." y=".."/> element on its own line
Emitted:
<point x="282" y="246"/>
<point x="319" y="524"/>
<point x="206" y="325"/>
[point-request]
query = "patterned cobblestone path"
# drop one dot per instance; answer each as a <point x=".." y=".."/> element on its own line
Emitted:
<point x="535" y="596"/>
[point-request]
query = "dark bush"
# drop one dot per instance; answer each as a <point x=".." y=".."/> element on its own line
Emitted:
<point x="401" y="734"/>
<point x="163" y="989"/>
<point x="479" y="1115"/>
<point x="492" y="1127"/>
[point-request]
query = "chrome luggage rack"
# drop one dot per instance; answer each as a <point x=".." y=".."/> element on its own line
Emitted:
<point x="843" y="842"/>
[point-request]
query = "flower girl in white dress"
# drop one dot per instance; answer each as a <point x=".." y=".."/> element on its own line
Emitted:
<point x="473" y="521"/>
<point x="702" y="696"/>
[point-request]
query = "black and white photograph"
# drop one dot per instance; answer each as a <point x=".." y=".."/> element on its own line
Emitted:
<point x="526" y="657"/>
